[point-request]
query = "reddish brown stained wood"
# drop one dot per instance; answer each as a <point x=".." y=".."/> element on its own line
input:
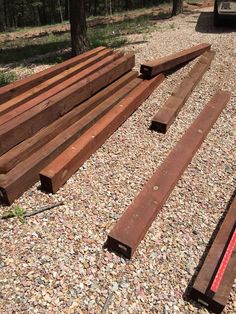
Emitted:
<point x="167" y="114"/>
<point x="31" y="121"/>
<point x="199" y="291"/>
<point x="29" y="146"/>
<point x="131" y="228"/>
<point x="9" y="114"/>
<point x="12" y="90"/>
<point x="152" y="68"/>
<point x="48" y="84"/>
<point x="19" y="179"/>
<point x="66" y="164"/>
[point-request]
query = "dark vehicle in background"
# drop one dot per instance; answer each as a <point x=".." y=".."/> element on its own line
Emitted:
<point x="224" y="10"/>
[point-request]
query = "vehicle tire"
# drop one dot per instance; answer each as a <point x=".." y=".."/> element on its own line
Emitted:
<point x="217" y="18"/>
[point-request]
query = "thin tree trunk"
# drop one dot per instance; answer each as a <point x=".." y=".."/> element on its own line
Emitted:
<point x="5" y="13"/>
<point x="79" y="40"/>
<point x="66" y="9"/>
<point x="95" y="8"/>
<point x="110" y="8"/>
<point x="177" y="7"/>
<point x="60" y="10"/>
<point x="106" y="8"/>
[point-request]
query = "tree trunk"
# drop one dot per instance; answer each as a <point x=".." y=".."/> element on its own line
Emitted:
<point x="177" y="7"/>
<point x="78" y="26"/>
<point x="60" y="10"/>
<point x="95" y="12"/>
<point x="66" y="10"/>
<point x="2" y="18"/>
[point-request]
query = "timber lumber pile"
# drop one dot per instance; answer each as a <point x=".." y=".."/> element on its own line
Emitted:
<point x="167" y="63"/>
<point x="131" y="228"/>
<point x="14" y="89"/>
<point x="40" y="116"/>
<point x="39" y="112"/>
<point x="216" y="277"/>
<point x="167" y="114"/>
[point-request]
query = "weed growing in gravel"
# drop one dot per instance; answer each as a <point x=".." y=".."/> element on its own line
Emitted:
<point x="17" y="212"/>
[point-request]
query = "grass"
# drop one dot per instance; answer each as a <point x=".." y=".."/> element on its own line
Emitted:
<point x="7" y="78"/>
<point x="17" y="212"/>
<point x="25" y="48"/>
<point x="30" y="28"/>
<point x="113" y="35"/>
<point x="110" y="35"/>
<point x="193" y="1"/>
<point x="23" y="51"/>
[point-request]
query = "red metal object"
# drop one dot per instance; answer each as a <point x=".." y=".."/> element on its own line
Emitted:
<point x="12" y="90"/>
<point x="214" y="281"/>
<point x="31" y="121"/>
<point x="167" y="114"/>
<point x="224" y="263"/>
<point x="131" y="228"/>
<point x="167" y="63"/>
<point x="66" y="164"/>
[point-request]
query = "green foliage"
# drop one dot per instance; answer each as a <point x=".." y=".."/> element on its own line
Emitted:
<point x="7" y="77"/>
<point x="17" y="212"/>
<point x="110" y="35"/>
<point x="113" y="35"/>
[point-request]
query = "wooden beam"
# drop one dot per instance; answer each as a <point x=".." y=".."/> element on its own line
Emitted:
<point x="25" y="174"/>
<point x="205" y="282"/>
<point x="16" y="88"/>
<point x="9" y="114"/>
<point x="167" y="114"/>
<point x="66" y="164"/>
<point x="31" y="121"/>
<point x="50" y="83"/>
<point x="131" y="228"/>
<point x="29" y="146"/>
<point x="152" y="68"/>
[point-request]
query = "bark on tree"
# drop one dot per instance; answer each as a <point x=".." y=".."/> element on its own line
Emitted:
<point x="95" y="11"/>
<point x="78" y="26"/>
<point x="66" y="9"/>
<point x="177" y="7"/>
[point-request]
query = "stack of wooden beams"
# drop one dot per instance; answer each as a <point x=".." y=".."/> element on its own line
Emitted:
<point x="42" y="115"/>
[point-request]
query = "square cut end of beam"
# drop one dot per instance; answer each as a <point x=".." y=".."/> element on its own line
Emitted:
<point x="46" y="184"/>
<point x="118" y="247"/>
<point x="160" y="127"/>
<point x="146" y="71"/>
<point x="4" y="198"/>
<point x="207" y="301"/>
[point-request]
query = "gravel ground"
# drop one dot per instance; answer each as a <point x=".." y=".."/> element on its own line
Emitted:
<point x="55" y="262"/>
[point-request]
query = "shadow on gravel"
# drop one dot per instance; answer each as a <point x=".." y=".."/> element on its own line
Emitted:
<point x="202" y="259"/>
<point x="205" y="24"/>
<point x="20" y="54"/>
